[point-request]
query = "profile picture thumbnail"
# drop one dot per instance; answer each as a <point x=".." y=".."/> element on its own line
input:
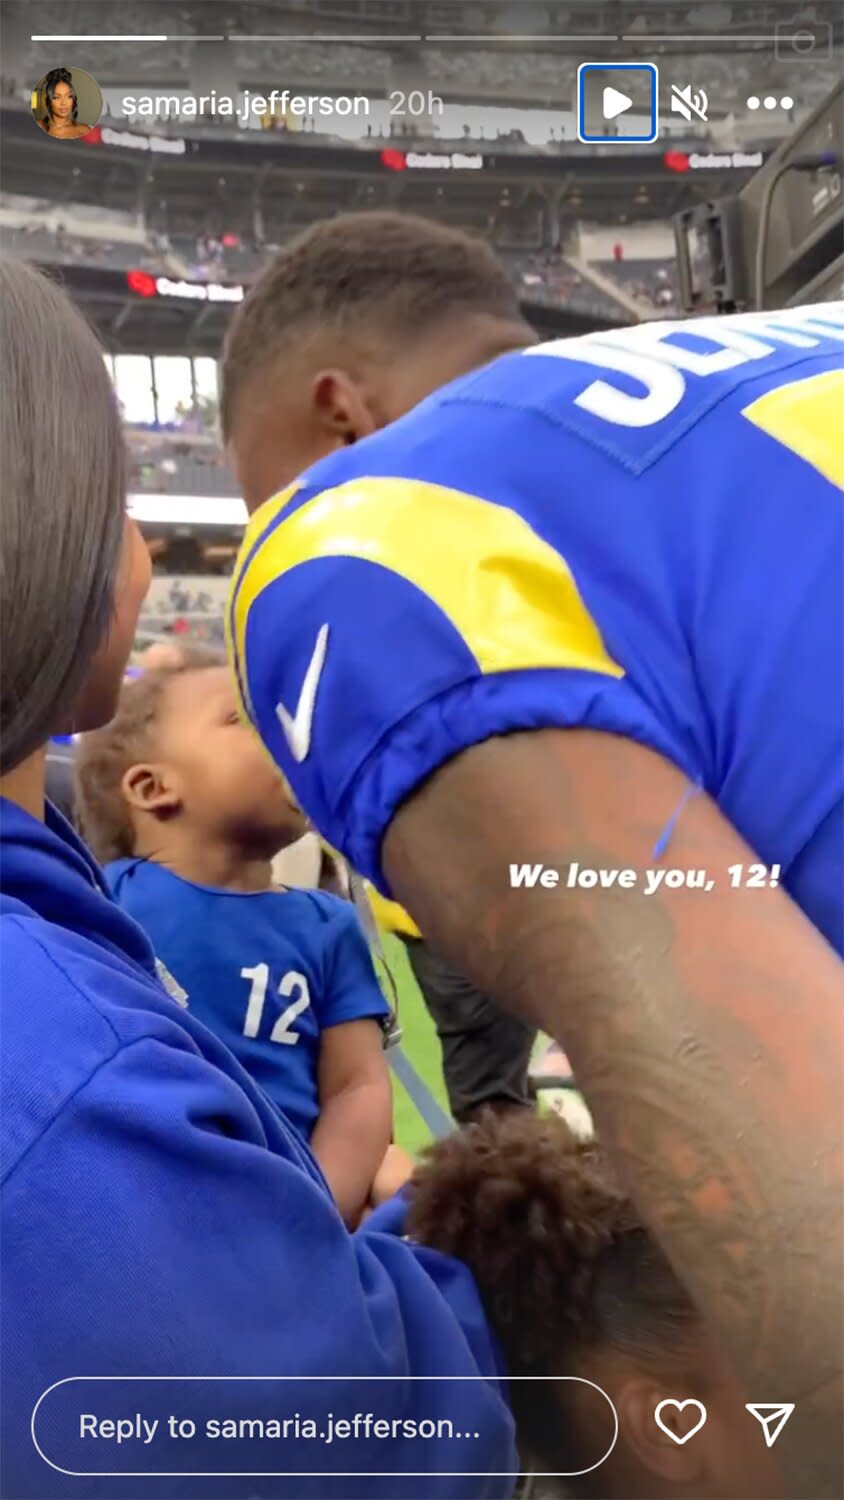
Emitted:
<point x="66" y="103"/>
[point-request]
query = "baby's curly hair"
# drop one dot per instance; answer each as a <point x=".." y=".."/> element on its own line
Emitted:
<point x="104" y="755"/>
<point x="562" y="1262"/>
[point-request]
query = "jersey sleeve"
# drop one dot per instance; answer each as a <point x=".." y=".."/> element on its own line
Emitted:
<point x="352" y="990"/>
<point x="381" y="623"/>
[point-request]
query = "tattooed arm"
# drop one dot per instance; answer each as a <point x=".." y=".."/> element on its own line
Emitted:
<point x="705" y="1029"/>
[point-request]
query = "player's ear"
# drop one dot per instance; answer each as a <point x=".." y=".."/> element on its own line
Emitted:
<point x="151" y="789"/>
<point x="341" y="407"/>
<point x="666" y="1450"/>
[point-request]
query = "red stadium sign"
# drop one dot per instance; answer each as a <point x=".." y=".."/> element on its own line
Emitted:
<point x="145" y="285"/>
<point x="141" y="282"/>
<point x="439" y="161"/>
<point x="104" y="135"/>
<point x="712" y="161"/>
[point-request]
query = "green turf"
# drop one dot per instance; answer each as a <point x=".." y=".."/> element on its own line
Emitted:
<point x="420" y="1043"/>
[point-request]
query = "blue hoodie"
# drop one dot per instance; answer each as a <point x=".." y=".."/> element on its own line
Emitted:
<point x="160" y="1218"/>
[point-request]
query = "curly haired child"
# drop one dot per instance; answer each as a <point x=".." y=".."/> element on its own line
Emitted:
<point x="574" y="1285"/>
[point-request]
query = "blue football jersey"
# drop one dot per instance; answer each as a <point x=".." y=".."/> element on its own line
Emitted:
<point x="268" y="972"/>
<point x="639" y="531"/>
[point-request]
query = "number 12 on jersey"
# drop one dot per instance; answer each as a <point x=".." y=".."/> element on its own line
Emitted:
<point x="290" y="982"/>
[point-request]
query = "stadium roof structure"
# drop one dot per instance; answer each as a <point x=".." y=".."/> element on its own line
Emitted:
<point x="516" y="24"/>
<point x="507" y="50"/>
<point x="269" y="185"/>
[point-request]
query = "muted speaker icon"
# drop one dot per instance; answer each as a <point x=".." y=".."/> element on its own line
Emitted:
<point x="688" y="102"/>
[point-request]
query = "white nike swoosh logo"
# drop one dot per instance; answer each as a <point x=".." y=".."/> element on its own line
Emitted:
<point x="297" y="726"/>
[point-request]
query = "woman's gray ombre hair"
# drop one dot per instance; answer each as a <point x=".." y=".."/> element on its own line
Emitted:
<point x="62" y="507"/>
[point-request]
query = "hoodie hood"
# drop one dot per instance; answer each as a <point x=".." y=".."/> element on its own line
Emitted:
<point x="46" y="871"/>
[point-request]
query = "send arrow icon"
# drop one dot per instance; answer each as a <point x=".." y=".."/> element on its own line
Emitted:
<point x="772" y="1415"/>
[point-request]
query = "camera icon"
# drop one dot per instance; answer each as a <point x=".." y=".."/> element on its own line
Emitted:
<point x="802" y="39"/>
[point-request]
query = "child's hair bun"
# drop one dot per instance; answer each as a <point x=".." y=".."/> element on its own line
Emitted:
<point x="531" y="1211"/>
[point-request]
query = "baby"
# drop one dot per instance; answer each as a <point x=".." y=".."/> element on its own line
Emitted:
<point x="178" y="800"/>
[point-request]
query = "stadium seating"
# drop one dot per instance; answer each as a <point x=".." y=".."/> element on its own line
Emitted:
<point x="182" y="466"/>
<point x="653" y="283"/>
<point x="549" y="278"/>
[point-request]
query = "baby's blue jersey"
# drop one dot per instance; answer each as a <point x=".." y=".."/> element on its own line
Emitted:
<point x="268" y="972"/>
<point x="640" y="532"/>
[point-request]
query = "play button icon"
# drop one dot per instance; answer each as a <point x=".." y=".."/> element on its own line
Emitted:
<point x="615" y="103"/>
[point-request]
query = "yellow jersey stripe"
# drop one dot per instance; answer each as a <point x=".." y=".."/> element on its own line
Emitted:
<point x="256" y="528"/>
<point x="390" y="916"/>
<point x="508" y="593"/>
<point x="264" y="516"/>
<point x="807" y="416"/>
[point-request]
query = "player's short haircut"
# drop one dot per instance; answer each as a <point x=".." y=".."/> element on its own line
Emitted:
<point x="105" y="755"/>
<point x="373" y="278"/>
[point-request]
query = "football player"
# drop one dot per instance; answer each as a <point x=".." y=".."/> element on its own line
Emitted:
<point x="579" y="613"/>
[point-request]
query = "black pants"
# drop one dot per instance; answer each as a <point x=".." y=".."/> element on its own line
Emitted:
<point x="486" y="1052"/>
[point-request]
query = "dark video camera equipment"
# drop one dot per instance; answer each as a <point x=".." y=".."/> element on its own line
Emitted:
<point x="780" y="241"/>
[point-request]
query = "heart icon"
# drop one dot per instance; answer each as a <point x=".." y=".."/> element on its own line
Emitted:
<point x="680" y="1406"/>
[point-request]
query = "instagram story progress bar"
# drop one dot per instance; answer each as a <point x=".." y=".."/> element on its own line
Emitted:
<point x="617" y="102"/>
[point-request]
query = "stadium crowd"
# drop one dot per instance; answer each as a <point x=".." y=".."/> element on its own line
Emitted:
<point x="200" y="1166"/>
<point x="225" y="254"/>
<point x="177" y="466"/>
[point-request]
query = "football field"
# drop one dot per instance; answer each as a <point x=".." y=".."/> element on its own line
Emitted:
<point x="419" y="1041"/>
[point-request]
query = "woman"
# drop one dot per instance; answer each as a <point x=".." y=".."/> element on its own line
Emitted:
<point x="160" y="1218"/>
<point x="60" y="118"/>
